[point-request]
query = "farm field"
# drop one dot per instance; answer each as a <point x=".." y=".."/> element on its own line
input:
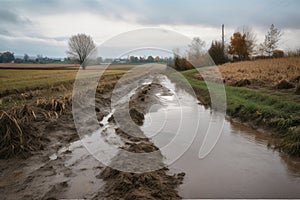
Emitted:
<point x="28" y="76"/>
<point x="283" y="73"/>
<point x="38" y="66"/>
<point x="259" y="73"/>
<point x="262" y="73"/>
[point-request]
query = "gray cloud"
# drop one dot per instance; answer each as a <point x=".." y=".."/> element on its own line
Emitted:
<point x="31" y="46"/>
<point x="18" y="18"/>
<point x="11" y="22"/>
<point x="234" y="13"/>
<point x="9" y="17"/>
<point x="4" y="32"/>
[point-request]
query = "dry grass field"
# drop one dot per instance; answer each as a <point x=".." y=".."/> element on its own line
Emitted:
<point x="262" y="73"/>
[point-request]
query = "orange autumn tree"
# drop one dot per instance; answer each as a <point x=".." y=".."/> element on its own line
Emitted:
<point x="238" y="46"/>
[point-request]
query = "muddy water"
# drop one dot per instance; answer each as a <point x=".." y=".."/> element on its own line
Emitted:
<point x="240" y="165"/>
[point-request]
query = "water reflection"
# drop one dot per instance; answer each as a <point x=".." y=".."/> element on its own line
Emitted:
<point x="240" y="166"/>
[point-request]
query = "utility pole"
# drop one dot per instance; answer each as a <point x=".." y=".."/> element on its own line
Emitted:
<point x="223" y="42"/>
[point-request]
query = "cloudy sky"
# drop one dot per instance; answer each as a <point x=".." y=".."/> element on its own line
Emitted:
<point x="43" y="27"/>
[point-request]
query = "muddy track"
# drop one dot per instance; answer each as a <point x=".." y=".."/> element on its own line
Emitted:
<point x="64" y="168"/>
<point x="60" y="168"/>
<point x="148" y="185"/>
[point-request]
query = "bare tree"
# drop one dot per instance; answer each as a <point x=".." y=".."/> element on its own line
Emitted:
<point x="196" y="52"/>
<point x="272" y="39"/>
<point x="260" y="50"/>
<point x="250" y="38"/>
<point x="80" y="46"/>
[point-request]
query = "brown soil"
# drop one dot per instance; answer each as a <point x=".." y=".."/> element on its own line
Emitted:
<point x="36" y="131"/>
<point x="51" y="128"/>
<point x="44" y="135"/>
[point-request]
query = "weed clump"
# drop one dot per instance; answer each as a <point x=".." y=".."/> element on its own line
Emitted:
<point x="291" y="142"/>
<point x="52" y="105"/>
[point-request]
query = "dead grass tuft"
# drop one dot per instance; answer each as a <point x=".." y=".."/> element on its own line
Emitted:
<point x="17" y="136"/>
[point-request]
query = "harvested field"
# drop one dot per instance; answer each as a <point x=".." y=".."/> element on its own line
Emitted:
<point x="283" y="73"/>
<point x="262" y="73"/>
<point x="18" y="81"/>
<point x="20" y="77"/>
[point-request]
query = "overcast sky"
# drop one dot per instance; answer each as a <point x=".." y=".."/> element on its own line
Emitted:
<point x="43" y="27"/>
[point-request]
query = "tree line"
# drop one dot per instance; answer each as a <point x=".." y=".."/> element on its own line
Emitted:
<point x="242" y="46"/>
<point x="9" y="57"/>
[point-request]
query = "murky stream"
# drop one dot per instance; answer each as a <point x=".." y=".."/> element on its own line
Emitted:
<point x="240" y="165"/>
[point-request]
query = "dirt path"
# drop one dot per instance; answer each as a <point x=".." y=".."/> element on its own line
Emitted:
<point x="65" y="169"/>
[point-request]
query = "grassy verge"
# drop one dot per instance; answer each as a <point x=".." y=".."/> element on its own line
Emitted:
<point x="276" y="110"/>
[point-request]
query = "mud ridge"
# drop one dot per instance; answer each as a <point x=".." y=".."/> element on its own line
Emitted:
<point x="147" y="185"/>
